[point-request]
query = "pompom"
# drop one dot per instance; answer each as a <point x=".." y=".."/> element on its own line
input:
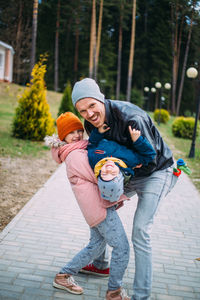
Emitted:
<point x="53" y="141"/>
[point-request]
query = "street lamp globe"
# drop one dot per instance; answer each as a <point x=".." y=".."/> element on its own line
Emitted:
<point x="158" y="85"/>
<point x="146" y="89"/>
<point x="153" y="90"/>
<point x="192" y="72"/>
<point x="167" y="86"/>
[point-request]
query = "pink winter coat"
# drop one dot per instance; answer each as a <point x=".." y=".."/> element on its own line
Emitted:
<point x="83" y="181"/>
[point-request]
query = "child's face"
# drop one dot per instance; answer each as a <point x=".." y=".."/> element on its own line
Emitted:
<point x="109" y="170"/>
<point x="74" y="136"/>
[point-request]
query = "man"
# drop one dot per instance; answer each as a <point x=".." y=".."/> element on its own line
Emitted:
<point x="151" y="183"/>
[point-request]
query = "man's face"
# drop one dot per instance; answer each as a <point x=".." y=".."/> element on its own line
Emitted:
<point x="92" y="110"/>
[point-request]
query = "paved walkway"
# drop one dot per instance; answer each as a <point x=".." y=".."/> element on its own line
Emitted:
<point x="50" y="229"/>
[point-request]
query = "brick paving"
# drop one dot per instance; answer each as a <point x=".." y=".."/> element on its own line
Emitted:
<point x="50" y="229"/>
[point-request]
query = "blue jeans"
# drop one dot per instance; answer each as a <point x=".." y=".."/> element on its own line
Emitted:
<point x="111" y="232"/>
<point x="150" y="191"/>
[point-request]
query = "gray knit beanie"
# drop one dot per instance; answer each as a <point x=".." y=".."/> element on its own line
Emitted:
<point x="86" y="88"/>
<point x="113" y="189"/>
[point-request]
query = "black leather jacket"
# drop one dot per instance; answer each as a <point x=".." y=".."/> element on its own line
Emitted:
<point x="121" y="114"/>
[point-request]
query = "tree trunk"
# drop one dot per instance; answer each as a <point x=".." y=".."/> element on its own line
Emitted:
<point x="34" y="33"/>
<point x="98" y="39"/>
<point x="56" y="71"/>
<point x="176" y="46"/>
<point x="76" y="54"/>
<point x="184" y="64"/>
<point x="174" y="55"/>
<point x="131" y="57"/>
<point x="119" y="53"/>
<point x="92" y="41"/>
<point x="156" y="99"/>
<point x="18" y="45"/>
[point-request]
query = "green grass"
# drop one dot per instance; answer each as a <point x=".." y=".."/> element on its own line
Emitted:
<point x="181" y="148"/>
<point x="10" y="146"/>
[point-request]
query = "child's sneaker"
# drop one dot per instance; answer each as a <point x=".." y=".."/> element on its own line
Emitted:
<point x="118" y="294"/>
<point x="67" y="282"/>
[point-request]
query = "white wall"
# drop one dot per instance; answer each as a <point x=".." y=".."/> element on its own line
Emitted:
<point x="2" y="62"/>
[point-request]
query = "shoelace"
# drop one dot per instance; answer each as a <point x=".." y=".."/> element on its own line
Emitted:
<point x="71" y="281"/>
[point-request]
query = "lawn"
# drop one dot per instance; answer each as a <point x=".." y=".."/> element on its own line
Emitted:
<point x="181" y="149"/>
<point x="10" y="146"/>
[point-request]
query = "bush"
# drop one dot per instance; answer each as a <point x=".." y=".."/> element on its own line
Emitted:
<point x="32" y="120"/>
<point x="66" y="101"/>
<point x="137" y="97"/>
<point x="163" y="114"/>
<point x="183" y="127"/>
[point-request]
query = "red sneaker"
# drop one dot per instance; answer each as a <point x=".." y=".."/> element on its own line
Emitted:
<point x="91" y="269"/>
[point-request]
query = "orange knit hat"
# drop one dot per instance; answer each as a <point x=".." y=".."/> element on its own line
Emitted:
<point x="67" y="123"/>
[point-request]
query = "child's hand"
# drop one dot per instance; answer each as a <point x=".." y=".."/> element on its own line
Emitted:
<point x="135" y="134"/>
<point x="103" y="128"/>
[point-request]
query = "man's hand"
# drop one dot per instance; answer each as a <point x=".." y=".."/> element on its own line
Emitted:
<point x="103" y="128"/>
<point x="135" y="134"/>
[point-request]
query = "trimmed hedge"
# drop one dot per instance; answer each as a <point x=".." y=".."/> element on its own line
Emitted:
<point x="163" y="114"/>
<point x="183" y="127"/>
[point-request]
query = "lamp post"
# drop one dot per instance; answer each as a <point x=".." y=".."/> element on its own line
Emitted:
<point x="192" y="73"/>
<point x="158" y="85"/>
<point x="146" y="89"/>
<point x="153" y="91"/>
<point x="167" y="86"/>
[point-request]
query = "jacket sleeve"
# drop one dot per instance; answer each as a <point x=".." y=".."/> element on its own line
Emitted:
<point x="140" y="124"/>
<point x="95" y="137"/>
<point x="144" y="150"/>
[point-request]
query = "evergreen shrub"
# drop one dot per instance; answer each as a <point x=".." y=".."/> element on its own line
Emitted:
<point x="137" y="97"/>
<point x="163" y="114"/>
<point x="183" y="127"/>
<point x="66" y="101"/>
<point x="33" y="120"/>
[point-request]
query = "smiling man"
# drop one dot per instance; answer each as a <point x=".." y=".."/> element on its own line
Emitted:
<point x="151" y="183"/>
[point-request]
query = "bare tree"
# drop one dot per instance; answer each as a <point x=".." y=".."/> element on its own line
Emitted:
<point x="185" y="60"/>
<point x="18" y="48"/>
<point x="98" y="40"/>
<point x="131" y="57"/>
<point x="76" y="54"/>
<point x="176" y="46"/>
<point x="56" y="63"/>
<point x="34" y="33"/>
<point x="92" y="41"/>
<point x="119" y="51"/>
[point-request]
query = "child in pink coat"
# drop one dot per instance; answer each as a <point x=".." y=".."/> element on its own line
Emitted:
<point x="101" y="216"/>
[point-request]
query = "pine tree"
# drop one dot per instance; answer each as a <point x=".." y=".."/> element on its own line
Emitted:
<point x="66" y="101"/>
<point x="33" y="120"/>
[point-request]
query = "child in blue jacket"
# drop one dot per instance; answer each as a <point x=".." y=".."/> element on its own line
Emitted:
<point x="113" y="163"/>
